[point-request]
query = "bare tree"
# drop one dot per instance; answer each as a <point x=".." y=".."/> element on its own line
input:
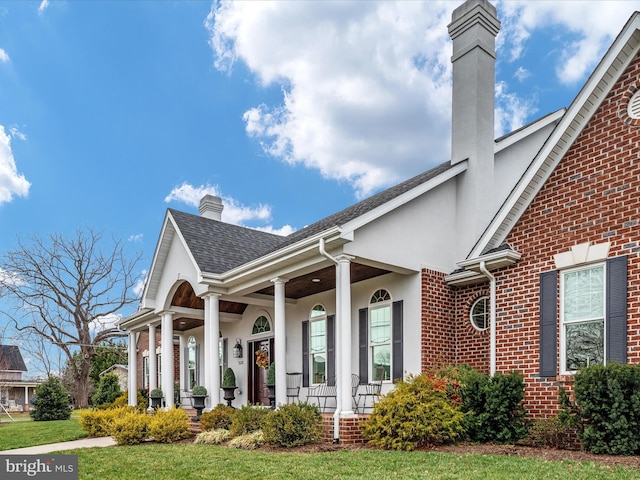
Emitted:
<point x="69" y="292"/>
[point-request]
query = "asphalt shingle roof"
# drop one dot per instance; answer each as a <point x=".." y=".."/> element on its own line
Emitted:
<point x="11" y="359"/>
<point x="219" y="247"/>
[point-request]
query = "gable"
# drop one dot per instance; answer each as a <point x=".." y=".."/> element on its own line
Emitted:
<point x="599" y="87"/>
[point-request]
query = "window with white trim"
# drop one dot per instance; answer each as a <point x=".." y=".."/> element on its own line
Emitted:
<point x="145" y="372"/>
<point x="479" y="313"/>
<point x="192" y="362"/>
<point x="380" y="336"/>
<point x="261" y="325"/>
<point x="582" y="313"/>
<point x="318" y="344"/>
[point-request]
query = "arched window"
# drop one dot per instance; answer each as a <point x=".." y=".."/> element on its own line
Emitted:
<point x="318" y="344"/>
<point x="479" y="313"/>
<point x="380" y="335"/>
<point x="261" y="325"/>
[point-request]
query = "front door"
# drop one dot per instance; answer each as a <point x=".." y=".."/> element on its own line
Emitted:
<point x="258" y="392"/>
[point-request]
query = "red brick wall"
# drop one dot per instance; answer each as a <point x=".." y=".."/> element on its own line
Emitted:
<point x="143" y="344"/>
<point x="350" y="430"/>
<point x="472" y="345"/>
<point x="592" y="196"/>
<point x="438" y="346"/>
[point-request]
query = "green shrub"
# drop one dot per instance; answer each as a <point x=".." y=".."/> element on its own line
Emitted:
<point x="608" y="402"/>
<point x="494" y="407"/>
<point x="156" y="393"/>
<point x="417" y="412"/>
<point x="551" y="433"/>
<point x="220" y="417"/>
<point x="108" y="390"/>
<point x="168" y="426"/>
<point x="129" y="428"/>
<point x="229" y="378"/>
<point x="271" y="374"/>
<point x="212" y="437"/>
<point x="248" y="441"/>
<point x="97" y="422"/>
<point x="123" y="401"/>
<point x="52" y="402"/>
<point x="293" y="425"/>
<point x="248" y="419"/>
<point x="199" y="391"/>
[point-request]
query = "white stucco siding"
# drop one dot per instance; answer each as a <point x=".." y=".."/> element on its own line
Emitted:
<point x="179" y="267"/>
<point x="417" y="233"/>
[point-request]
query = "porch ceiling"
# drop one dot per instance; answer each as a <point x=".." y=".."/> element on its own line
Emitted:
<point x="296" y="288"/>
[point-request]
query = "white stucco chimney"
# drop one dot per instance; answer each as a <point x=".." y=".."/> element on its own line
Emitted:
<point x="211" y="207"/>
<point x="473" y="29"/>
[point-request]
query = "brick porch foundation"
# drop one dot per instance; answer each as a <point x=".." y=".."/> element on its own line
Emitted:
<point x="350" y="430"/>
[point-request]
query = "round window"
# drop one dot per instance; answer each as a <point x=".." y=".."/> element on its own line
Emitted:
<point x="480" y="313"/>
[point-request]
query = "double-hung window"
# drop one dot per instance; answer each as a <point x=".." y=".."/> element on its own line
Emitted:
<point x="582" y="309"/>
<point x="192" y="361"/>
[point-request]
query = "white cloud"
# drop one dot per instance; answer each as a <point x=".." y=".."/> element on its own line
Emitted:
<point x="136" y="238"/>
<point x="44" y="4"/>
<point x="105" y="322"/>
<point x="11" y="278"/>
<point x="234" y="212"/>
<point x="585" y="30"/>
<point x="11" y="182"/>
<point x="138" y="288"/>
<point x="366" y="86"/>
<point x="362" y="82"/>
<point x="16" y="133"/>
<point x="4" y="56"/>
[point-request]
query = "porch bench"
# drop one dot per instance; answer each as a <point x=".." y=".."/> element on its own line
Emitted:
<point x="322" y="391"/>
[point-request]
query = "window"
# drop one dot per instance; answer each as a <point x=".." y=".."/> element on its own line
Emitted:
<point x="318" y="344"/>
<point x="159" y="368"/>
<point x="192" y="360"/>
<point x="380" y="336"/>
<point x="145" y="372"/>
<point x="479" y="314"/>
<point x="261" y="325"/>
<point x="582" y="341"/>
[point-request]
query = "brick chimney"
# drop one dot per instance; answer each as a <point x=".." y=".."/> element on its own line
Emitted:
<point x="211" y="207"/>
<point x="473" y="29"/>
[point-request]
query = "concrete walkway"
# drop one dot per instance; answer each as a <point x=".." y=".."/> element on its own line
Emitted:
<point x="55" y="447"/>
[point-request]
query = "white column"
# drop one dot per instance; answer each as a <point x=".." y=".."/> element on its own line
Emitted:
<point x="344" y="327"/>
<point x="184" y="374"/>
<point x="212" y="347"/>
<point x="153" y="359"/>
<point x="133" y="370"/>
<point x="280" y="340"/>
<point x="25" y="406"/>
<point x="167" y="358"/>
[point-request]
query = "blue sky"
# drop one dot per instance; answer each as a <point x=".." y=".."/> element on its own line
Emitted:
<point x="113" y="111"/>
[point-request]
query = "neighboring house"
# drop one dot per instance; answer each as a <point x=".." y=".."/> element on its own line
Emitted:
<point x="15" y="392"/>
<point x="513" y="255"/>
<point x="120" y="371"/>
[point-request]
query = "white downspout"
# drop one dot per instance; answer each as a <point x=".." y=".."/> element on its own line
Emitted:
<point x="492" y="310"/>
<point x="336" y="414"/>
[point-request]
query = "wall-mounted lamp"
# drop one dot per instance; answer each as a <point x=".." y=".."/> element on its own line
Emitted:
<point x="237" y="349"/>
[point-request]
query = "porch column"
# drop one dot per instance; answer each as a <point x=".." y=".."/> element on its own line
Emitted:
<point x="25" y="405"/>
<point x="184" y="374"/>
<point x="133" y="371"/>
<point x="167" y="358"/>
<point x="153" y="359"/>
<point x="343" y="310"/>
<point x="280" y="340"/>
<point x="212" y="347"/>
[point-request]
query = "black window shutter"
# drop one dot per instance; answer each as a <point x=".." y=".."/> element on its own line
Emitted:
<point x="396" y="314"/>
<point x="363" y="316"/>
<point x="331" y="350"/>
<point x="616" y="320"/>
<point x="305" y="353"/>
<point x="548" y="323"/>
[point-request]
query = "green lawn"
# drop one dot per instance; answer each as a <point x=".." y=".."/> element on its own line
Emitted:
<point x="26" y="433"/>
<point x="190" y="461"/>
